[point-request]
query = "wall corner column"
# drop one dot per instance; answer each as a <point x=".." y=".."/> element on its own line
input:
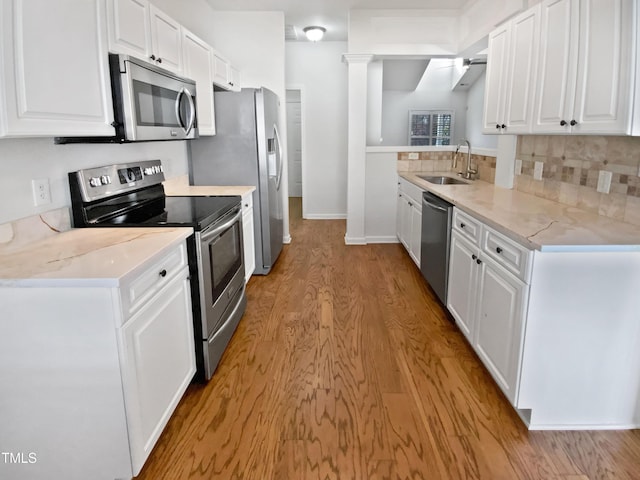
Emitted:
<point x="357" y="146"/>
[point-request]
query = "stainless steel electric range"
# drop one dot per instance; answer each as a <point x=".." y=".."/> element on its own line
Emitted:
<point x="132" y="195"/>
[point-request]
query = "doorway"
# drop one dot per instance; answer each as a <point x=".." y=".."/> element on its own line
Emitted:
<point x="294" y="150"/>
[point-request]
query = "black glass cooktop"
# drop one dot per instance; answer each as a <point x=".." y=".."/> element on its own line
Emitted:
<point x="196" y="212"/>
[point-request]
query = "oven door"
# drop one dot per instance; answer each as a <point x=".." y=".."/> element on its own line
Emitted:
<point x="222" y="268"/>
<point x="156" y="105"/>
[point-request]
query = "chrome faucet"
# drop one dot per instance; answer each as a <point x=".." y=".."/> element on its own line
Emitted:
<point x="469" y="172"/>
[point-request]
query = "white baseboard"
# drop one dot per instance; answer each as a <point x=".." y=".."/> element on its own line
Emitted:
<point x="383" y="239"/>
<point x="325" y="216"/>
<point x="286" y="239"/>
<point x="355" y="240"/>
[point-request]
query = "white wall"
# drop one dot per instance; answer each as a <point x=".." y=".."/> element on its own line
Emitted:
<point x="432" y="93"/>
<point x="381" y="197"/>
<point x="22" y="160"/>
<point x="475" y="101"/>
<point x="403" y="32"/>
<point x="318" y="69"/>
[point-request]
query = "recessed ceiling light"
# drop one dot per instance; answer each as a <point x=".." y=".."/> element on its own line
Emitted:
<point x="314" y="33"/>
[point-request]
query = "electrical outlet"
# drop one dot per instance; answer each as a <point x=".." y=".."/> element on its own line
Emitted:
<point x="414" y="156"/>
<point x="518" y="170"/>
<point x="537" y="171"/>
<point x="604" y="181"/>
<point x="41" y="191"/>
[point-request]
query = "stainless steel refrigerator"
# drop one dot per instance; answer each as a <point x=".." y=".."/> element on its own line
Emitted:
<point x="246" y="150"/>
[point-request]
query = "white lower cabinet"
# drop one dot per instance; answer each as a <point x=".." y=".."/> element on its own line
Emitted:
<point x="499" y="326"/>
<point x="157" y="364"/>
<point x="248" y="236"/>
<point x="463" y="277"/>
<point x="409" y="218"/>
<point x="488" y="301"/>
<point x="556" y="328"/>
<point x="96" y="369"/>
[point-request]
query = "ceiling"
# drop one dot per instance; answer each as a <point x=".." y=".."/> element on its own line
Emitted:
<point x="331" y="14"/>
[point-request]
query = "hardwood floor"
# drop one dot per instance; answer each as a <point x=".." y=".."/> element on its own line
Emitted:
<point x="346" y="367"/>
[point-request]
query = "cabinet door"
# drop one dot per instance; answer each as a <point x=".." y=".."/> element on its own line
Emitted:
<point x="404" y="221"/>
<point x="54" y="69"/>
<point x="495" y="80"/>
<point x="559" y="40"/>
<point x="248" y="242"/>
<point x="129" y="30"/>
<point x="523" y="61"/>
<point x="604" y="68"/>
<point x="220" y="71"/>
<point x="158" y="363"/>
<point x="197" y="66"/>
<point x="166" y="40"/>
<point x="416" y="233"/>
<point x="462" y="282"/>
<point x="499" y="328"/>
<point x="234" y="78"/>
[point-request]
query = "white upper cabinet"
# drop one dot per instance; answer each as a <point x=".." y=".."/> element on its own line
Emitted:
<point x="586" y="67"/>
<point x="495" y="79"/>
<point x="225" y="75"/>
<point x="139" y="29"/>
<point x="129" y="29"/>
<point x="511" y="72"/>
<point x="166" y="40"/>
<point x="197" y="56"/>
<point x="54" y="72"/>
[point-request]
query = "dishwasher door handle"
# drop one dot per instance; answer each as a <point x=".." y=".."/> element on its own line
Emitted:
<point x="435" y="207"/>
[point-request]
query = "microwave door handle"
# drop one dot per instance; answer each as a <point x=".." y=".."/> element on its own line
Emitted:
<point x="192" y="111"/>
<point x="177" y="105"/>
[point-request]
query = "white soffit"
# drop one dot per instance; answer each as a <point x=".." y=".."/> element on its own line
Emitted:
<point x="403" y="75"/>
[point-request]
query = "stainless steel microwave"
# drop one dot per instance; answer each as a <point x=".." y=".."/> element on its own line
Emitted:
<point x="149" y="103"/>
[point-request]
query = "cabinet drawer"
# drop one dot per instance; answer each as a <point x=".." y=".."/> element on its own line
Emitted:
<point x="411" y="191"/>
<point x="145" y="285"/>
<point x="511" y="255"/>
<point x="468" y="226"/>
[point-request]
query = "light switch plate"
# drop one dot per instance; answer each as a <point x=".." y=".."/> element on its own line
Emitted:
<point x="518" y="169"/>
<point x="604" y="181"/>
<point x="414" y="156"/>
<point x="41" y="191"/>
<point x="537" y="170"/>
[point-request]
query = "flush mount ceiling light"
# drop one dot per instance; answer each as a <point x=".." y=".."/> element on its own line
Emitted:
<point x="314" y="33"/>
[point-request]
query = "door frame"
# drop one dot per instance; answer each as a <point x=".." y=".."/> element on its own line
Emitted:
<point x="299" y="87"/>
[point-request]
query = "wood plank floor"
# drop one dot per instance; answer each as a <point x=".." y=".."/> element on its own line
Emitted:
<point x="346" y="367"/>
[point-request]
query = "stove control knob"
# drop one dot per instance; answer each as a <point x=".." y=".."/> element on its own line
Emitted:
<point x="148" y="171"/>
<point x="95" y="182"/>
<point x="160" y="169"/>
<point x="105" y="179"/>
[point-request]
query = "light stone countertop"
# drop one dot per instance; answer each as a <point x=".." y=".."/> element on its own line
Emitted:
<point x="87" y="257"/>
<point x="179" y="187"/>
<point x="535" y="222"/>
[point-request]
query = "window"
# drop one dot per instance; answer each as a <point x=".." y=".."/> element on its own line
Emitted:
<point x="430" y="127"/>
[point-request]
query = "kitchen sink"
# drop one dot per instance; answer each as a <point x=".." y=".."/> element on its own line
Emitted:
<point x="442" y="180"/>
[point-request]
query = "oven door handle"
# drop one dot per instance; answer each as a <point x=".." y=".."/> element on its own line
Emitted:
<point x="217" y="230"/>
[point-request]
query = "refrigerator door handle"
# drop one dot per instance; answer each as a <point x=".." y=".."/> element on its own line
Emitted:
<point x="278" y="156"/>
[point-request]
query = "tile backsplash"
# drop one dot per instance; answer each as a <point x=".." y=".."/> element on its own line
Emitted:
<point x="443" y="162"/>
<point x="571" y="166"/>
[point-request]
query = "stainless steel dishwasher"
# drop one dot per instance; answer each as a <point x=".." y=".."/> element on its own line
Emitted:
<point x="434" y="244"/>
